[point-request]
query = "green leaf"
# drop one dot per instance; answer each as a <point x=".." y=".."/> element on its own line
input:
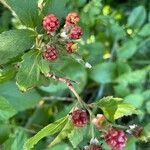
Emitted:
<point x="7" y="73"/>
<point x="127" y="50"/>
<point x="16" y="140"/>
<point x="63" y="134"/>
<point x="15" y="42"/>
<point x="20" y="101"/>
<point x="122" y="67"/>
<point x="146" y="94"/>
<point x="114" y="108"/>
<point x="125" y="109"/>
<point x="109" y="105"/>
<point x="135" y="100"/>
<point x="57" y="7"/>
<point x="113" y="31"/>
<point x="121" y="90"/>
<point x="6" y="109"/>
<point x="61" y="146"/>
<point x="137" y="17"/>
<point x="80" y="76"/>
<point x="148" y="107"/>
<point x="145" y="31"/>
<point x="76" y="136"/>
<point x="48" y="130"/>
<point x="133" y="77"/>
<point x="20" y="138"/>
<point x="145" y="135"/>
<point x="44" y="66"/>
<point x="131" y="144"/>
<point x="26" y="10"/>
<point x="28" y="75"/>
<point x="103" y="73"/>
<point x="5" y="131"/>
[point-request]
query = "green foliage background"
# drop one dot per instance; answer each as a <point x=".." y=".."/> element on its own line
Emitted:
<point x="116" y="43"/>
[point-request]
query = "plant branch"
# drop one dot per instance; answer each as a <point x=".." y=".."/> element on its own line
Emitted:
<point x="69" y="84"/>
<point x="50" y="98"/>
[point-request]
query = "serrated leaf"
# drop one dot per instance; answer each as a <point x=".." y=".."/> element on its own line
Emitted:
<point x="125" y="109"/>
<point x="127" y="50"/>
<point x="29" y="14"/>
<point x="20" y="101"/>
<point x="15" y="42"/>
<point x="48" y="130"/>
<point x="63" y="134"/>
<point x="6" y="109"/>
<point x="103" y="73"/>
<point x="76" y="136"/>
<point x="109" y="105"/>
<point x="28" y="75"/>
<point x="114" y="108"/>
<point x="137" y="17"/>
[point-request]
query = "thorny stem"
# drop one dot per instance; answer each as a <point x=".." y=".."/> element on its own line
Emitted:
<point x="69" y="82"/>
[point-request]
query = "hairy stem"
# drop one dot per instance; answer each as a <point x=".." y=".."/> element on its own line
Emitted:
<point x="69" y="84"/>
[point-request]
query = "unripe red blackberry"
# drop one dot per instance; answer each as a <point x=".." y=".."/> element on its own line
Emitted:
<point x="116" y="139"/>
<point x="71" y="47"/>
<point x="95" y="147"/>
<point x="50" y="54"/>
<point x="79" y="118"/>
<point x="75" y="33"/>
<point x="72" y="18"/>
<point x="99" y="120"/>
<point x="51" y="23"/>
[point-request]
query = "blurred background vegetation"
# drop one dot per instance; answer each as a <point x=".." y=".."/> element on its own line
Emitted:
<point x="116" y="43"/>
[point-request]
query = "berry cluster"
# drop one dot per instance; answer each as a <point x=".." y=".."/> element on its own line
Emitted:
<point x="79" y="118"/>
<point x="116" y="139"/>
<point x="51" y="23"/>
<point x="69" y="33"/>
<point x="50" y="53"/>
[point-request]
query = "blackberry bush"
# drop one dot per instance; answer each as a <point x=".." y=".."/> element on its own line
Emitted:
<point x="60" y="61"/>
